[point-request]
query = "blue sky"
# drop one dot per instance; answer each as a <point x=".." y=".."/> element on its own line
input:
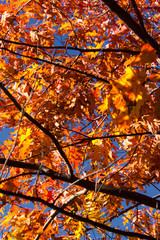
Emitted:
<point x="4" y="134"/>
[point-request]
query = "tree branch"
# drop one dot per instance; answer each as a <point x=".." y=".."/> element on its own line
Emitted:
<point x="55" y="213"/>
<point x="57" y="65"/>
<point x="88" y="139"/>
<point x="77" y="217"/>
<point x="44" y="130"/>
<point x="140" y="19"/>
<point x="131" y="23"/>
<point x="73" y="48"/>
<point x="119" y="192"/>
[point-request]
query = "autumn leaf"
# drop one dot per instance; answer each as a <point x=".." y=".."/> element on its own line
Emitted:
<point x="79" y="119"/>
<point x="23" y="136"/>
<point x="147" y="55"/>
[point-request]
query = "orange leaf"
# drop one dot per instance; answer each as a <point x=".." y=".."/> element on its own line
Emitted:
<point x="147" y="55"/>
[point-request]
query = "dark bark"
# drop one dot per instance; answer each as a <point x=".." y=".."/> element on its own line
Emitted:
<point x="132" y="24"/>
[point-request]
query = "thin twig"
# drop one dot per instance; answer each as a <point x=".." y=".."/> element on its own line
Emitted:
<point x="58" y="65"/>
<point x="15" y="141"/>
<point x="44" y="130"/>
<point x="82" y="50"/>
<point x="78" y="217"/>
<point x="54" y="213"/>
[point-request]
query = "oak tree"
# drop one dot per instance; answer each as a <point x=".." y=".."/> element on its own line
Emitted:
<point x="80" y="94"/>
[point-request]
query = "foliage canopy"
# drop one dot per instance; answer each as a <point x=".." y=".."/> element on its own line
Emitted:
<point x="79" y="89"/>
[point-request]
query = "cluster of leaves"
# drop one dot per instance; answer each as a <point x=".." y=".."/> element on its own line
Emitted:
<point x="79" y="89"/>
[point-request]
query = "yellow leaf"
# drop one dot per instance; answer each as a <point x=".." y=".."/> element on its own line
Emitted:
<point x="24" y="136"/>
<point x="105" y="104"/>
<point x="68" y="220"/>
<point x="94" y="54"/>
<point x="65" y="26"/>
<point x="97" y="142"/>
<point x="24" y="147"/>
<point x="119" y="102"/>
<point x="93" y="33"/>
<point x="125" y="80"/>
<point x="28" y="109"/>
<point x="79" y="231"/>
